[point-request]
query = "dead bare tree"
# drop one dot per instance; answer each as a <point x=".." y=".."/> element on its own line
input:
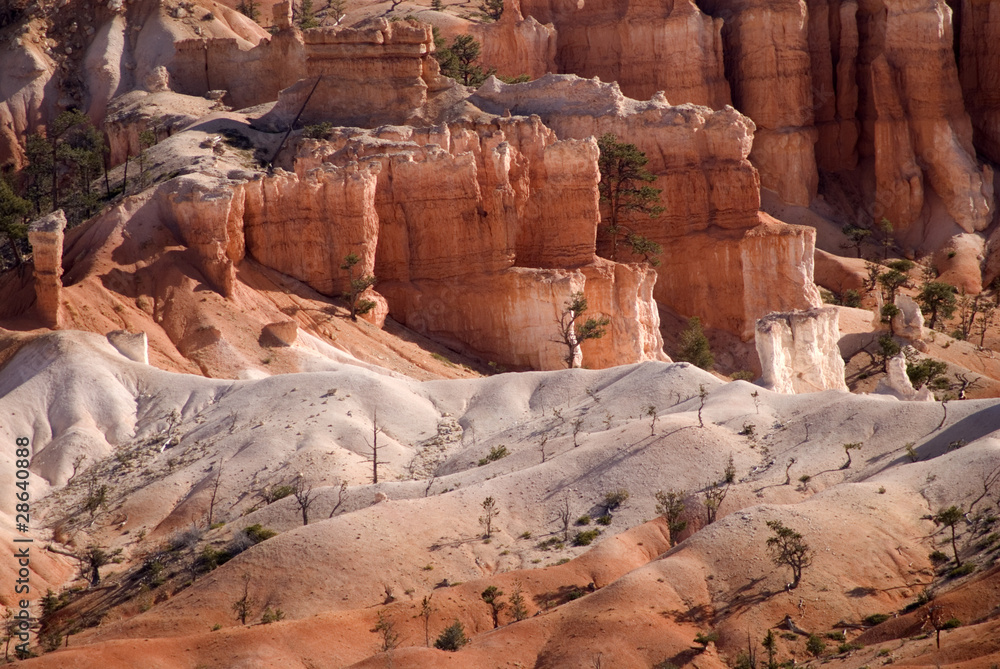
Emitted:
<point x="966" y="384"/>
<point x="373" y="446"/>
<point x="563" y="516"/>
<point x="541" y="446"/>
<point x="304" y="497"/>
<point x="216" y="481"/>
<point x="77" y="461"/>
<point x="788" y="477"/>
<point x="340" y="498"/>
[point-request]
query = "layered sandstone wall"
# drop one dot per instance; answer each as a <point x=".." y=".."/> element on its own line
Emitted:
<point x="516" y="45"/>
<point x="710" y="192"/>
<point x="645" y="46"/>
<point x="770" y="70"/>
<point x="492" y="270"/>
<point x="979" y="64"/>
<point x="915" y="125"/>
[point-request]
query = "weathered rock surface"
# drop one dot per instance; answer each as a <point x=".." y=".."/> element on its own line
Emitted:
<point x="363" y="77"/>
<point x="305" y="226"/>
<point x="280" y="333"/>
<point x="769" y="67"/>
<point x="909" y="322"/>
<point x="518" y="233"/>
<point x="27" y="93"/>
<point x="798" y="351"/>
<point x="917" y="128"/>
<point x="897" y="384"/>
<point x="629" y="42"/>
<point x="709" y="189"/>
<point x="838" y="273"/>
<point x="133" y="345"/>
<point x="46" y="237"/>
<point x="958" y="262"/>
<point x="516" y="45"/>
<point x="979" y="53"/>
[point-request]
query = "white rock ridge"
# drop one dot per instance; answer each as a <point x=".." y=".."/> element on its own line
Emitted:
<point x="798" y="351"/>
<point x="897" y="384"/>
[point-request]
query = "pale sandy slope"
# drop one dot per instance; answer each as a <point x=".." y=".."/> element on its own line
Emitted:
<point x="867" y="524"/>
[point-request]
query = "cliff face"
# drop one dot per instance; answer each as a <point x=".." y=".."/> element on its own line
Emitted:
<point x="710" y="192"/>
<point x="769" y="67"/>
<point x="867" y="88"/>
<point x="914" y="122"/>
<point x="979" y="51"/>
<point x="516" y="45"/>
<point x="645" y="46"/>
<point x="492" y="270"/>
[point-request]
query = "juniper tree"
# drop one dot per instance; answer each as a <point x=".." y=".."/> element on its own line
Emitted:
<point x="458" y="61"/>
<point x="937" y="299"/>
<point x="670" y="505"/>
<point x="856" y="237"/>
<point x="625" y="188"/>
<point x="853" y="446"/>
<point x="490" y="512"/>
<point x="242" y="606"/>
<point x="652" y="413"/>
<point x="787" y="547"/>
<point x="491" y="10"/>
<point x="572" y="333"/>
<point x="491" y="596"/>
<point x="695" y="347"/>
<point x="356" y="287"/>
<point x="950" y="517"/>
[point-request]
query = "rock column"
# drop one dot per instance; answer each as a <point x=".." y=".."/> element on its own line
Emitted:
<point x="46" y="237"/>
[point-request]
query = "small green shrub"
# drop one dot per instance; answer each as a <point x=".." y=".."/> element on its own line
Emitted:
<point x="452" y="638"/>
<point x="937" y="557"/>
<point x="271" y="616"/>
<point x="964" y="570"/>
<point x="875" y="619"/>
<point x="318" y="131"/>
<point x="851" y="298"/>
<point x="703" y="638"/>
<point x="604" y="520"/>
<point x="815" y="645"/>
<point x="496" y="453"/>
<point x="583" y="520"/>
<point x="951" y="624"/>
<point x="586" y="537"/>
<point x="258" y="533"/>
<point x="615" y="498"/>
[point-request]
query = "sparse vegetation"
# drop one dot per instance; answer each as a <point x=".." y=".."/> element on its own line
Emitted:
<point x="490" y="511"/>
<point x="670" y="505"/>
<point x="496" y="453"/>
<point x="586" y="537"/>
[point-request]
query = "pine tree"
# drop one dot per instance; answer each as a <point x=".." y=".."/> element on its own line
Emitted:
<point x="624" y="188"/>
<point x="695" y="347"/>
